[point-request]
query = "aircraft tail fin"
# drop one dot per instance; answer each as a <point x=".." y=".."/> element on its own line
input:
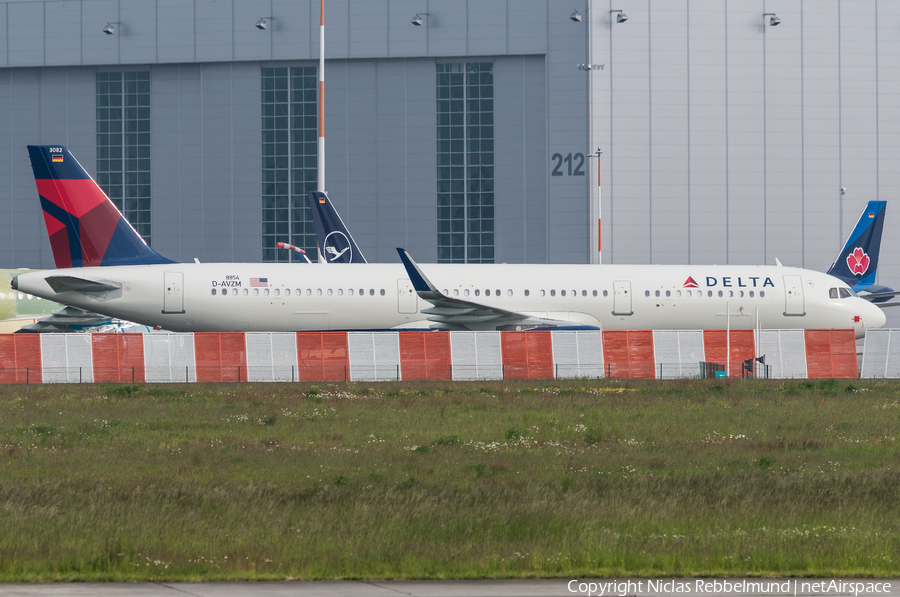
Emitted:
<point x="336" y="244"/>
<point x="857" y="262"/>
<point x="84" y="226"/>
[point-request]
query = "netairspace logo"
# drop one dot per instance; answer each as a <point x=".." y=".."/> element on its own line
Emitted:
<point x="621" y="588"/>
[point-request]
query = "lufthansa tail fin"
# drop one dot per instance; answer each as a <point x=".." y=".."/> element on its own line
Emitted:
<point x="334" y="240"/>
<point x="84" y="226"/>
<point x="857" y="262"/>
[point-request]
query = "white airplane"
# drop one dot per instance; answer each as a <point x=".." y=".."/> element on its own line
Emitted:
<point x="106" y="268"/>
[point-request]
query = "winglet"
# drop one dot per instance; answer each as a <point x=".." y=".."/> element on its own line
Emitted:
<point x="418" y="279"/>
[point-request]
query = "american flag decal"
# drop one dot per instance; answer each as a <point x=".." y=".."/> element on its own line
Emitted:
<point x="259" y="282"/>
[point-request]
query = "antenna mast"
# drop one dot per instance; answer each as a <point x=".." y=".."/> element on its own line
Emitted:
<point x="321" y="149"/>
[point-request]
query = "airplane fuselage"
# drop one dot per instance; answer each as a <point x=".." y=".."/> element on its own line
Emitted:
<point x="271" y="297"/>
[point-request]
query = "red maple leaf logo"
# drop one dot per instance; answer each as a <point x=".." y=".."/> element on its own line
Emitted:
<point x="690" y="283"/>
<point x="858" y="261"/>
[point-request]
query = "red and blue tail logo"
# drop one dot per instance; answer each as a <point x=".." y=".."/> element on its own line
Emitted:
<point x="85" y="228"/>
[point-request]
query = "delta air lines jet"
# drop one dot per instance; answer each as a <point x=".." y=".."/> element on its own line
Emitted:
<point x="105" y="267"/>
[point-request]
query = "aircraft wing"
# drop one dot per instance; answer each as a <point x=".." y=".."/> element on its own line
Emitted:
<point x="456" y="314"/>
<point x="72" y="284"/>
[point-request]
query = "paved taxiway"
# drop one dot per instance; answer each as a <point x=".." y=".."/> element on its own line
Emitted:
<point x="454" y="588"/>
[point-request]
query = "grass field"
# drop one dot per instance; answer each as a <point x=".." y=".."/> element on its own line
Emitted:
<point x="449" y="480"/>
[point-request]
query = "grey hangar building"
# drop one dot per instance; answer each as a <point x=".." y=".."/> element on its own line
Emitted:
<point x="731" y="131"/>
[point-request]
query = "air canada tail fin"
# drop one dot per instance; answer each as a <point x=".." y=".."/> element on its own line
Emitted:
<point x="857" y="262"/>
<point x="85" y="228"/>
<point x="334" y="240"/>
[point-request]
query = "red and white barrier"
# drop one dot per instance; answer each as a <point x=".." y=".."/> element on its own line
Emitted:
<point x="416" y="354"/>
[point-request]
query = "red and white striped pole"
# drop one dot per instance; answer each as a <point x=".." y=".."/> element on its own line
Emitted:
<point x="321" y="162"/>
<point x="599" y="211"/>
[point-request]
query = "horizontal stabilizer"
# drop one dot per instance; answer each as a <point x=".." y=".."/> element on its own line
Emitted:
<point x="61" y="284"/>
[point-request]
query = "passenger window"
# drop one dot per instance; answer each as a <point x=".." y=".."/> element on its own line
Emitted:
<point x="657" y="293"/>
<point x="762" y="293"/>
<point x="584" y="293"/>
<point x="487" y="292"/>
<point x="287" y="292"/>
<point x="543" y="293"/>
<point x="256" y="292"/>
<point x="309" y="292"/>
<point x="687" y="293"/>
<point x="350" y="291"/>
<point x="668" y="293"/>
<point x="509" y="293"/>
<point x="382" y="292"/>
<point x="318" y="292"/>
<point x="362" y="291"/>
<point x="527" y="292"/>
<point x="246" y="292"/>
<point x="371" y="292"/>
<point x="562" y="293"/>
<point x="552" y="293"/>
<point x="740" y="293"/>
<point x="466" y="292"/>
<point x="234" y="291"/>
<point x="709" y="293"/>
<point x="214" y="292"/>
<point x="845" y="293"/>
<point x="646" y="293"/>
<point x="721" y="294"/>
<point x="605" y="292"/>
<point x="277" y="292"/>
<point x="478" y="292"/>
<point x="340" y="292"/>
<point x="456" y="292"/>
<point x="730" y="293"/>
<point x="329" y="292"/>
<point x="266" y="291"/>
<point x="497" y="292"/>
<point x="751" y="294"/>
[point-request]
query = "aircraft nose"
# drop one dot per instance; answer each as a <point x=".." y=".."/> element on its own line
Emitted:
<point x="877" y="318"/>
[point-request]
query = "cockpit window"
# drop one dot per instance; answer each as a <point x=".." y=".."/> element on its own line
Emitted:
<point x="845" y="293"/>
<point x="832" y="293"/>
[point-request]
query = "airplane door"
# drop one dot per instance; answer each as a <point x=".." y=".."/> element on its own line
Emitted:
<point x="407" y="299"/>
<point x="173" y="292"/>
<point x="793" y="296"/>
<point x="622" y="298"/>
